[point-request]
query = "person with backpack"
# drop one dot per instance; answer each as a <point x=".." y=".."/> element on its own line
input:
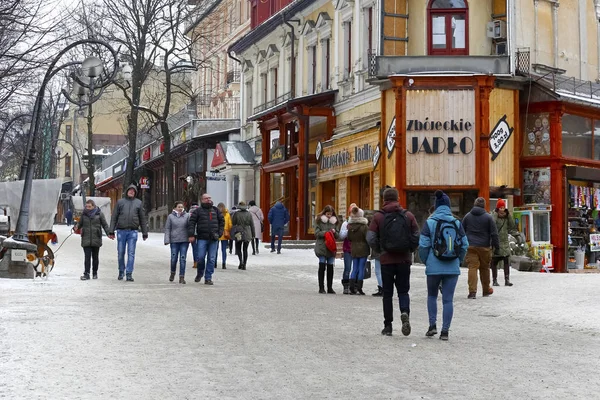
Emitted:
<point x="505" y="225"/>
<point x="357" y="235"/>
<point x="326" y="233"/>
<point x="394" y="234"/>
<point x="442" y="247"/>
<point x="482" y="234"/>
<point x="347" y="252"/>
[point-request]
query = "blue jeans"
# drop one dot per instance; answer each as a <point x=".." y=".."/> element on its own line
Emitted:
<point x="126" y="238"/>
<point x="279" y="233"/>
<point x="448" y="285"/>
<point x="347" y="266"/>
<point x="206" y="252"/>
<point x="378" y="272"/>
<point x="179" y="251"/>
<point x="224" y="244"/>
<point x="358" y="268"/>
<point x="327" y="260"/>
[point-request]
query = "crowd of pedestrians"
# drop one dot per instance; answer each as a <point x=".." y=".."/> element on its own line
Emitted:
<point x="389" y="239"/>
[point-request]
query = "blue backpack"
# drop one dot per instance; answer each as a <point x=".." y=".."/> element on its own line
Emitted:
<point x="447" y="240"/>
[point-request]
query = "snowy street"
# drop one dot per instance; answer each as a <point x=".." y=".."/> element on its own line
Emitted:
<point x="267" y="333"/>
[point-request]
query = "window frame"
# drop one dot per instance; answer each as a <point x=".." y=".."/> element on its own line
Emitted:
<point x="447" y="13"/>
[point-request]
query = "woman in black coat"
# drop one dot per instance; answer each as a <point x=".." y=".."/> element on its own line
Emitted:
<point x="90" y="224"/>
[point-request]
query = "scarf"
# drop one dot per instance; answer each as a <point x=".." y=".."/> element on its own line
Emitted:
<point x="91" y="213"/>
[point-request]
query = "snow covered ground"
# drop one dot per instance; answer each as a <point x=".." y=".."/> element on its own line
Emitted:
<point x="266" y="333"/>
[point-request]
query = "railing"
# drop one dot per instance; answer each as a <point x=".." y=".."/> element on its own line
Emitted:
<point x="233" y="76"/>
<point x="572" y="86"/>
<point x="523" y="61"/>
<point x="372" y="64"/>
<point x="272" y="103"/>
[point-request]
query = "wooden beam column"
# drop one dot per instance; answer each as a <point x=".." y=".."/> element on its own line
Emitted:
<point x="400" y="145"/>
<point x="558" y="194"/>
<point x="301" y="198"/>
<point x="482" y="157"/>
<point x="265" y="181"/>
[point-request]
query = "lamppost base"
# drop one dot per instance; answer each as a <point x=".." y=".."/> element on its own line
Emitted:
<point x="14" y="264"/>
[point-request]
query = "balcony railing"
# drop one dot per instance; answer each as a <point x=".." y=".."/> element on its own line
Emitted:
<point x="272" y="103"/>
<point x="523" y="61"/>
<point x="233" y="77"/>
<point x="372" y="64"/>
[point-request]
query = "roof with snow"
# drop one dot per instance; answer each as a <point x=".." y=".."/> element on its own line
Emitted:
<point x="237" y="153"/>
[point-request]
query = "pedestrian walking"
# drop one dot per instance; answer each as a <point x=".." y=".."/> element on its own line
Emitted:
<point x="176" y="236"/>
<point x="375" y="256"/>
<point x="394" y="234"/>
<point x="243" y="233"/>
<point x="346" y="251"/>
<point x="129" y="216"/>
<point x="357" y="235"/>
<point x="193" y="206"/>
<point x="69" y="217"/>
<point x="90" y="225"/>
<point x="442" y="247"/>
<point x="278" y="216"/>
<point x="205" y="227"/>
<point x="224" y="240"/>
<point x="326" y="233"/>
<point x="482" y="234"/>
<point x="505" y="225"/>
<point x="230" y="242"/>
<point x="258" y="219"/>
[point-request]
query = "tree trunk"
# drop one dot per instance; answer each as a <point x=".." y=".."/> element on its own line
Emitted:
<point x="166" y="134"/>
<point x="90" y="151"/>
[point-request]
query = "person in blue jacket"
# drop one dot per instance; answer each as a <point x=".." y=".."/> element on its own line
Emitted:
<point x="278" y="216"/>
<point x="443" y="269"/>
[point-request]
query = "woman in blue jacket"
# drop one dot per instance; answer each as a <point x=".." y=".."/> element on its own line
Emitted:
<point x="442" y="250"/>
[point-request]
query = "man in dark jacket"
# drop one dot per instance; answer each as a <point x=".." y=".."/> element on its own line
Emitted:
<point x="482" y="234"/>
<point x="205" y="227"/>
<point x="395" y="266"/>
<point x="127" y="218"/>
<point x="278" y="217"/>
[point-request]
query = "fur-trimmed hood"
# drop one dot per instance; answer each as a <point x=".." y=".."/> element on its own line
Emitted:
<point x="358" y="220"/>
<point x="323" y="218"/>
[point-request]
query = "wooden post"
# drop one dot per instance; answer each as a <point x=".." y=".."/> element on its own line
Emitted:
<point x="482" y="157"/>
<point x="558" y="223"/>
<point x="302" y="200"/>
<point x="265" y="181"/>
<point x="400" y="146"/>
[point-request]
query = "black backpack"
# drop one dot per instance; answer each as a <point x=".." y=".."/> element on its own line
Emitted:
<point x="395" y="235"/>
<point x="447" y="240"/>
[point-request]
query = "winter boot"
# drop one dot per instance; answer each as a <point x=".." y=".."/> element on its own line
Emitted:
<point x="359" y="286"/>
<point x="182" y="279"/>
<point x="444" y="335"/>
<point x="489" y="292"/>
<point x="322" y="278"/>
<point x="196" y="264"/>
<point x="95" y="276"/>
<point x="224" y="266"/>
<point x="387" y="330"/>
<point x="507" y="282"/>
<point x="496" y="283"/>
<point x="405" y="324"/>
<point x="431" y="331"/>
<point x="352" y="286"/>
<point x="346" y="284"/>
<point x="379" y="292"/>
<point x="172" y="277"/>
<point x="129" y="278"/>
<point x="85" y="277"/>
<point x="330" y="279"/>
<point x="121" y="274"/>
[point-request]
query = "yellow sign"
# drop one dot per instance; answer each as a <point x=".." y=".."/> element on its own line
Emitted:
<point x="349" y="154"/>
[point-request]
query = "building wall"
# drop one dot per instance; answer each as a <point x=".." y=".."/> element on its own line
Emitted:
<point x="502" y="169"/>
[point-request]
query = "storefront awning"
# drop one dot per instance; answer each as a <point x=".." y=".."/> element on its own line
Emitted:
<point x="568" y="89"/>
<point x="233" y="154"/>
<point x="326" y="98"/>
<point x="111" y="183"/>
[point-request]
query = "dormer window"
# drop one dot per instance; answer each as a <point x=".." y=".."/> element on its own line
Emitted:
<point x="448" y="30"/>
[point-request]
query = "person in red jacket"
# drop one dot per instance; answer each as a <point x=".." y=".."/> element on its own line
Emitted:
<point x="395" y="265"/>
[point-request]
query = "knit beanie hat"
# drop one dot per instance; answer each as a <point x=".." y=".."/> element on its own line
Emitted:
<point x="480" y="202"/>
<point x="441" y="199"/>
<point x="390" y="194"/>
<point x="357" y="212"/>
<point x="351" y="207"/>
<point x="500" y="203"/>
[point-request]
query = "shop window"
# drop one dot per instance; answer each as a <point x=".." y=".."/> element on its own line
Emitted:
<point x="537" y="141"/>
<point x="577" y="136"/>
<point x="448" y="27"/>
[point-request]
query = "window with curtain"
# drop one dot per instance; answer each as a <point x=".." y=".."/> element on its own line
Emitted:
<point x="577" y="137"/>
<point x="448" y="31"/>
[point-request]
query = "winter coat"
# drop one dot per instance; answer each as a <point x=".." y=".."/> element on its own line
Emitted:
<point x="346" y="246"/>
<point x="227" y="228"/>
<point x="375" y="227"/>
<point x="206" y="223"/>
<point x="129" y="214"/>
<point x="480" y="228"/>
<point x="433" y="265"/>
<point x="258" y="218"/>
<point x="322" y="226"/>
<point x="91" y="225"/>
<point x="357" y="235"/>
<point x="242" y="221"/>
<point x="278" y="215"/>
<point x="505" y="225"/>
<point x="176" y="228"/>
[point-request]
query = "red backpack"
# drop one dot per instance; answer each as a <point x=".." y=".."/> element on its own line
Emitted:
<point x="330" y="242"/>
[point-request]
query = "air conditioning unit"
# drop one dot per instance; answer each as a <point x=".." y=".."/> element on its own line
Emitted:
<point x="501" y="49"/>
<point x="496" y="29"/>
<point x="65" y="196"/>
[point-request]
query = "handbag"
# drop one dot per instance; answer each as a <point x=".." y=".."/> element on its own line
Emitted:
<point x="367" y="269"/>
<point x="237" y="233"/>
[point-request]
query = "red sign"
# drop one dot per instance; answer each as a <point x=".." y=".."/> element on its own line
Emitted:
<point x="146" y="154"/>
<point x="144" y="182"/>
<point x="219" y="157"/>
<point x="162" y="148"/>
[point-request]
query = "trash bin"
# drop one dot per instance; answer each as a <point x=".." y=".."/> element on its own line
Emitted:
<point x="579" y="258"/>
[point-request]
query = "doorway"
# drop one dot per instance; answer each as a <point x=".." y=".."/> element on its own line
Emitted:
<point x="360" y="191"/>
<point x="328" y="195"/>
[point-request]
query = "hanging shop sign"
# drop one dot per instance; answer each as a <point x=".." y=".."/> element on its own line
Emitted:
<point x="277" y="154"/>
<point x="144" y="182"/>
<point x="390" y="139"/>
<point x="218" y="157"/>
<point x="119" y="167"/>
<point x="353" y="153"/>
<point x="440" y="137"/>
<point x="147" y="154"/>
<point x="499" y="136"/>
<point x="376" y="156"/>
<point x="319" y="151"/>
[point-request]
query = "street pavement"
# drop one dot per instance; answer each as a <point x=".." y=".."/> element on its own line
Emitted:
<point x="266" y="333"/>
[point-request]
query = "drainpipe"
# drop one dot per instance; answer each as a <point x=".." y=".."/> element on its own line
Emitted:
<point x="555" y="31"/>
<point x="293" y="56"/>
<point x="536" y="30"/>
<point x="232" y="57"/>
